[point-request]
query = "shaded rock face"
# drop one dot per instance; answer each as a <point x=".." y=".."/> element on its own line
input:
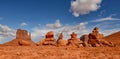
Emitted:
<point x="48" y="40"/>
<point x="61" y="41"/>
<point x="85" y="39"/>
<point x="74" y="41"/>
<point x="96" y="38"/>
<point x="22" y="38"/>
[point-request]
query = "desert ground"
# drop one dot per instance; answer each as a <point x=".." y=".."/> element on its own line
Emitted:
<point x="51" y="52"/>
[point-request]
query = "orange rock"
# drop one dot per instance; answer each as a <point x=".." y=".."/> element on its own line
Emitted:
<point x="74" y="41"/>
<point x="96" y="38"/>
<point x="24" y="42"/>
<point x="22" y="38"/>
<point x="61" y="41"/>
<point x="48" y="40"/>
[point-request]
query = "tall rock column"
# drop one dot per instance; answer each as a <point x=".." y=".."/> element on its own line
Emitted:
<point x="61" y="41"/>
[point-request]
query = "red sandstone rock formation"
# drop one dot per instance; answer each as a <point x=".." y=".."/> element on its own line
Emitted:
<point x="48" y="40"/>
<point x="22" y="38"/>
<point x="85" y="39"/>
<point x="74" y="41"/>
<point x="96" y="38"/>
<point x="61" y="41"/>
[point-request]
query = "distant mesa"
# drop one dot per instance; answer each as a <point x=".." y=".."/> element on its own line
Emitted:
<point x="23" y="38"/>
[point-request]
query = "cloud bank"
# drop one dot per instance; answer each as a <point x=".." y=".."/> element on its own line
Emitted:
<point x="79" y="7"/>
<point x="57" y="24"/>
<point x="6" y="32"/>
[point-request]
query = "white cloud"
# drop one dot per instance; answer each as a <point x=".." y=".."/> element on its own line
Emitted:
<point x="6" y="32"/>
<point x="79" y="7"/>
<point x="109" y="18"/>
<point x="23" y="24"/>
<point x="80" y="29"/>
<point x="57" y="24"/>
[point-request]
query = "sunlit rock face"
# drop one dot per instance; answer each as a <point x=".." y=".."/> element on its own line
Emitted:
<point x="74" y="41"/>
<point x="22" y="38"/>
<point x="61" y="41"/>
<point x="96" y="38"/>
<point x="48" y="40"/>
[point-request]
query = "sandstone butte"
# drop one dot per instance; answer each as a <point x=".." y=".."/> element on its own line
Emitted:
<point x="93" y="39"/>
<point x="23" y="38"/>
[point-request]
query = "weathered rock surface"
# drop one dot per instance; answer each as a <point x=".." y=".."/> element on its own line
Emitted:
<point x="61" y="41"/>
<point x="96" y="38"/>
<point x="48" y="40"/>
<point x="85" y="39"/>
<point x="74" y="41"/>
<point x="22" y="38"/>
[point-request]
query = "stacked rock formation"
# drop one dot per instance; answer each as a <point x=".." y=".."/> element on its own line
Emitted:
<point x="96" y="38"/>
<point x="61" y="41"/>
<point x="74" y="41"/>
<point x="22" y="38"/>
<point x="48" y="40"/>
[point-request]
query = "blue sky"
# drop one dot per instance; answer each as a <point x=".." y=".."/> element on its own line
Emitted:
<point x="41" y="16"/>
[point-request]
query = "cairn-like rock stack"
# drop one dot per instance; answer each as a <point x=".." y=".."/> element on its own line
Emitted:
<point x="96" y="38"/>
<point x="48" y="40"/>
<point x="61" y="41"/>
<point x="22" y="38"/>
<point x="74" y="41"/>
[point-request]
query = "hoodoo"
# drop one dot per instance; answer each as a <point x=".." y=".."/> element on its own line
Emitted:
<point x="61" y="41"/>
<point x="74" y="41"/>
<point x="48" y="40"/>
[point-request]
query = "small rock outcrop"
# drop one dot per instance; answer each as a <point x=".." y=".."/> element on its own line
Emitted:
<point x="48" y="40"/>
<point x="23" y="38"/>
<point x="61" y="41"/>
<point x="96" y="38"/>
<point x="85" y="39"/>
<point x="74" y="41"/>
